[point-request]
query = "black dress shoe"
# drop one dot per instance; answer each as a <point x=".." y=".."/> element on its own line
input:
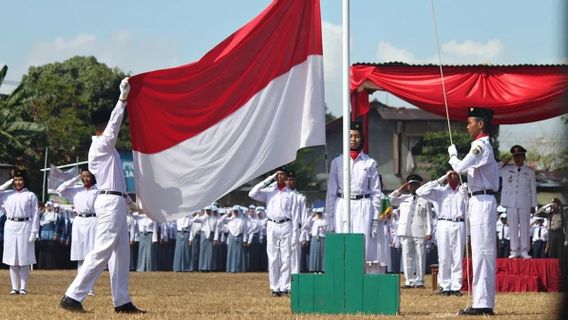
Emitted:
<point x="406" y="286"/>
<point x="445" y="293"/>
<point x="457" y="293"/>
<point x="275" y="294"/>
<point x="128" y="308"/>
<point x="420" y="286"/>
<point x="285" y="293"/>
<point x="71" y="304"/>
<point x="476" y="312"/>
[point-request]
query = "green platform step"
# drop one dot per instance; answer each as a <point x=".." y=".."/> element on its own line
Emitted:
<point x="344" y="288"/>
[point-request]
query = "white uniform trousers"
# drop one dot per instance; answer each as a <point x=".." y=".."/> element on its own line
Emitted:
<point x="361" y="220"/>
<point x="482" y="217"/>
<point x="414" y="257"/>
<point x="295" y="256"/>
<point x="519" y="225"/>
<point x="278" y="247"/>
<point x="450" y="238"/>
<point x="112" y="246"/>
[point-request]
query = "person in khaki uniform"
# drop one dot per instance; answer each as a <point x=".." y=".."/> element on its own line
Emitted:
<point x="557" y="230"/>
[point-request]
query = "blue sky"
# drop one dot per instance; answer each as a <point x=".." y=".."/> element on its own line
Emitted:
<point x="138" y="36"/>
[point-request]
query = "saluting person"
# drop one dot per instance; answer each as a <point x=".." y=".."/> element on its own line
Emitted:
<point x="84" y="224"/>
<point x="450" y="228"/>
<point x="282" y="227"/>
<point x="20" y="230"/>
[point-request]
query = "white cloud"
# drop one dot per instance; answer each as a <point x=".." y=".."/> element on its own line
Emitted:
<point x="472" y="51"/>
<point x="332" y="53"/>
<point x="453" y="52"/>
<point x="121" y="49"/>
<point x="387" y="52"/>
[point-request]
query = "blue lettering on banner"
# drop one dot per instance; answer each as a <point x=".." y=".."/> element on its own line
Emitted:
<point x="128" y="170"/>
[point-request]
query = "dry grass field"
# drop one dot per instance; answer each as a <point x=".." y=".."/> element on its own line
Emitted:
<point x="168" y="295"/>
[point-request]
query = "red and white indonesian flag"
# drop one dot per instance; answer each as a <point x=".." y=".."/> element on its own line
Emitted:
<point x="203" y="129"/>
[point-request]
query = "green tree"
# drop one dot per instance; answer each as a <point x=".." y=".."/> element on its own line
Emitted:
<point x="435" y="150"/>
<point x="62" y="95"/>
<point x="16" y="134"/>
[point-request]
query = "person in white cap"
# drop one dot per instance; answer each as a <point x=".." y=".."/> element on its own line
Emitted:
<point x="208" y="238"/>
<point x="503" y="234"/>
<point x="518" y="195"/>
<point x="238" y="236"/>
<point x="84" y="223"/>
<point x="483" y="183"/>
<point x="111" y="239"/>
<point x="20" y="230"/>
<point x="318" y="229"/>
<point x="450" y="228"/>
<point x="282" y="228"/>
<point x="414" y="228"/>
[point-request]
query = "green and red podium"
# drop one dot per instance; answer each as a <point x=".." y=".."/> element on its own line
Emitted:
<point x="345" y="288"/>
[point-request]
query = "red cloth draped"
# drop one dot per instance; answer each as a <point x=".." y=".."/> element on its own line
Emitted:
<point x="518" y="275"/>
<point x="517" y="94"/>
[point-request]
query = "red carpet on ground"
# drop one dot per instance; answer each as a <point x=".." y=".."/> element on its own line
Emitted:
<point x="524" y="275"/>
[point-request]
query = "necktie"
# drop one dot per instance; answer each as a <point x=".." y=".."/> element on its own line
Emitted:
<point x="502" y="232"/>
<point x="538" y="237"/>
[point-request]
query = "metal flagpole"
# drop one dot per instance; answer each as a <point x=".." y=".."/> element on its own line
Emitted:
<point x="65" y="165"/>
<point x="346" y="117"/>
<point x="44" y="176"/>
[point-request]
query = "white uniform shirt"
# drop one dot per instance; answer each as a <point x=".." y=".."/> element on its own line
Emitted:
<point x="415" y="215"/>
<point x="280" y="204"/>
<point x="21" y="204"/>
<point x="83" y="198"/>
<point x="208" y="225"/>
<point x="364" y="180"/>
<point x="318" y="227"/>
<point x="183" y="224"/>
<point x="502" y="231"/>
<point x="519" y="186"/>
<point x="104" y="160"/>
<point x="146" y="225"/>
<point x="236" y="226"/>
<point x="539" y="233"/>
<point x="480" y="165"/>
<point x="253" y="226"/>
<point x="451" y="203"/>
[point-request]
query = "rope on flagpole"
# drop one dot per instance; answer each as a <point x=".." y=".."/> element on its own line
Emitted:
<point x="451" y="140"/>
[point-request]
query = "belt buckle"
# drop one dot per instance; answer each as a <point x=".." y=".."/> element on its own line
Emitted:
<point x="353" y="197"/>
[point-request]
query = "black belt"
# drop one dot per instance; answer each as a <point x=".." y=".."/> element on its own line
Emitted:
<point x="355" y="196"/>
<point x="18" y="219"/>
<point x="114" y="193"/>
<point x="87" y="215"/>
<point x="279" y="221"/>
<point x="453" y="220"/>
<point x="146" y="233"/>
<point x="183" y="231"/>
<point x="487" y="192"/>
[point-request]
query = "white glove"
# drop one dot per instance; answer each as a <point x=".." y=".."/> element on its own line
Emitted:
<point x="375" y="228"/>
<point x="452" y="151"/>
<point x="6" y="185"/>
<point x="33" y="237"/>
<point x="124" y="89"/>
<point x="443" y="178"/>
<point x="463" y="189"/>
<point x="268" y="180"/>
<point x="566" y="243"/>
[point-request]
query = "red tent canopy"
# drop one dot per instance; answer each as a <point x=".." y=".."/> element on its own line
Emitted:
<point x="517" y="94"/>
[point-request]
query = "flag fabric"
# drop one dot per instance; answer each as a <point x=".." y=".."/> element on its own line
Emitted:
<point x="203" y="129"/>
<point x="58" y="176"/>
